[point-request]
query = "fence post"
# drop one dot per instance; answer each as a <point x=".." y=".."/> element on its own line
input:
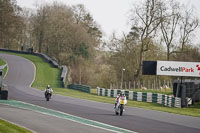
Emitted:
<point x="138" y="84"/>
<point x="148" y="84"/>
<point x="159" y="84"/>
<point x="171" y="85"/>
<point x="143" y="83"/>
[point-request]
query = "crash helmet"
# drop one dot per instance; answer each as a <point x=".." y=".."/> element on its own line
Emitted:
<point x="48" y="86"/>
<point x="121" y="94"/>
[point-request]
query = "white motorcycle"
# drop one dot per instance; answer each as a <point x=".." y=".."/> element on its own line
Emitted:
<point x="48" y="94"/>
<point x="120" y="106"/>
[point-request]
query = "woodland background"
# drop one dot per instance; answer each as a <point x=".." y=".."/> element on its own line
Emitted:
<point x="160" y="30"/>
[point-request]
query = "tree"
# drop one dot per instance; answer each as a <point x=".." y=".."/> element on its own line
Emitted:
<point x="175" y="18"/>
<point x="27" y="39"/>
<point x="84" y="18"/>
<point x="11" y="24"/>
<point x="188" y="24"/>
<point x="79" y="13"/>
<point x="170" y="17"/>
<point x="190" y="53"/>
<point x="39" y="21"/>
<point x="125" y="53"/>
<point x="145" y="21"/>
<point x="67" y="37"/>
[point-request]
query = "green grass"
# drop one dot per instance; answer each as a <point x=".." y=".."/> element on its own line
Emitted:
<point x="45" y="75"/>
<point x="191" y="111"/>
<point x="6" y="127"/>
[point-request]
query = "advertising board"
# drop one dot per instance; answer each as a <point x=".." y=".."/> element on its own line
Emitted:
<point x="176" y="68"/>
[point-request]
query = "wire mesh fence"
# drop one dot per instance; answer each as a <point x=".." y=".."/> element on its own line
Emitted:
<point x="143" y="84"/>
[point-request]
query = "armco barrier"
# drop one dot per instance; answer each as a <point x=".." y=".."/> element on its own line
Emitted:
<point x="165" y="100"/>
<point x="83" y="88"/>
<point x="63" y="75"/>
<point x="44" y="56"/>
<point x="47" y="59"/>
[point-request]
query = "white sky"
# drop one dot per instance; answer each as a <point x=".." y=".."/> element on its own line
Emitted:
<point x="111" y="15"/>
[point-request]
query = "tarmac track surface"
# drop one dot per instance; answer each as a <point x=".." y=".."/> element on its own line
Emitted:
<point x="21" y="74"/>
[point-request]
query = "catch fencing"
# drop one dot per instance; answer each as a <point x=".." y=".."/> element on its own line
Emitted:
<point x="150" y="84"/>
<point x="44" y="56"/>
<point x="165" y="100"/>
<point x="63" y="75"/>
<point x="83" y="88"/>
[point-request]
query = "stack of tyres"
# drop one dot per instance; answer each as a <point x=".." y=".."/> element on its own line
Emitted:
<point x="4" y="93"/>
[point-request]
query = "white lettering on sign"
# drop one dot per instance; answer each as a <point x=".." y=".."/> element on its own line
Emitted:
<point x="176" y="68"/>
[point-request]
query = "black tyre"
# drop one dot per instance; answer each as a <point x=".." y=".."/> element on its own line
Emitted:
<point x="4" y="95"/>
<point x="116" y="113"/>
<point x="47" y="97"/>
<point x="121" y="109"/>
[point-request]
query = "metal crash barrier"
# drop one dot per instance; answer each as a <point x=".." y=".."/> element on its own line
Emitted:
<point x="165" y="100"/>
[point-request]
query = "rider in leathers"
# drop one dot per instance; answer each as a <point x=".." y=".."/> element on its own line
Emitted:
<point x="51" y="90"/>
<point x="118" y="97"/>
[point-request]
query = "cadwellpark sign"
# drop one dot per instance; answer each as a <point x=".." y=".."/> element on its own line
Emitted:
<point x="176" y="68"/>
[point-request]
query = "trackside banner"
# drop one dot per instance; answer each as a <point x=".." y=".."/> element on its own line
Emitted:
<point x="175" y="68"/>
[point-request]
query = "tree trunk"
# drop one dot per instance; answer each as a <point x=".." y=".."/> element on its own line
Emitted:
<point x="140" y="64"/>
<point x="168" y="53"/>
<point x="40" y="41"/>
<point x="80" y="76"/>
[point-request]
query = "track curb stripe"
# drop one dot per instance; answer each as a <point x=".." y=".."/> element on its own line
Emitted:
<point x="59" y="114"/>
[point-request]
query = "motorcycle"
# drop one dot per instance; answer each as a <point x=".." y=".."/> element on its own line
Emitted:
<point x="48" y="94"/>
<point x="120" y="106"/>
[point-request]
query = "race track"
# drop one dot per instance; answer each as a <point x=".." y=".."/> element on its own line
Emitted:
<point x="21" y="74"/>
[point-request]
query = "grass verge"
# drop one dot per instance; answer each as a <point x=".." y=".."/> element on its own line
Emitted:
<point x="191" y="111"/>
<point x="44" y="78"/>
<point x="6" y="127"/>
<point x="45" y="74"/>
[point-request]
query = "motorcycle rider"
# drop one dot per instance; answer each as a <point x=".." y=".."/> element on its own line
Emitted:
<point x="118" y="97"/>
<point x="48" y="88"/>
<point x="116" y="100"/>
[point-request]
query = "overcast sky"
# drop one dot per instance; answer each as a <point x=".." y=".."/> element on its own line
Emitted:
<point x="111" y="15"/>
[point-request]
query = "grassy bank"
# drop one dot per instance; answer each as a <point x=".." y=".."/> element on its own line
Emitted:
<point x="45" y="75"/>
<point x="6" y="127"/>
